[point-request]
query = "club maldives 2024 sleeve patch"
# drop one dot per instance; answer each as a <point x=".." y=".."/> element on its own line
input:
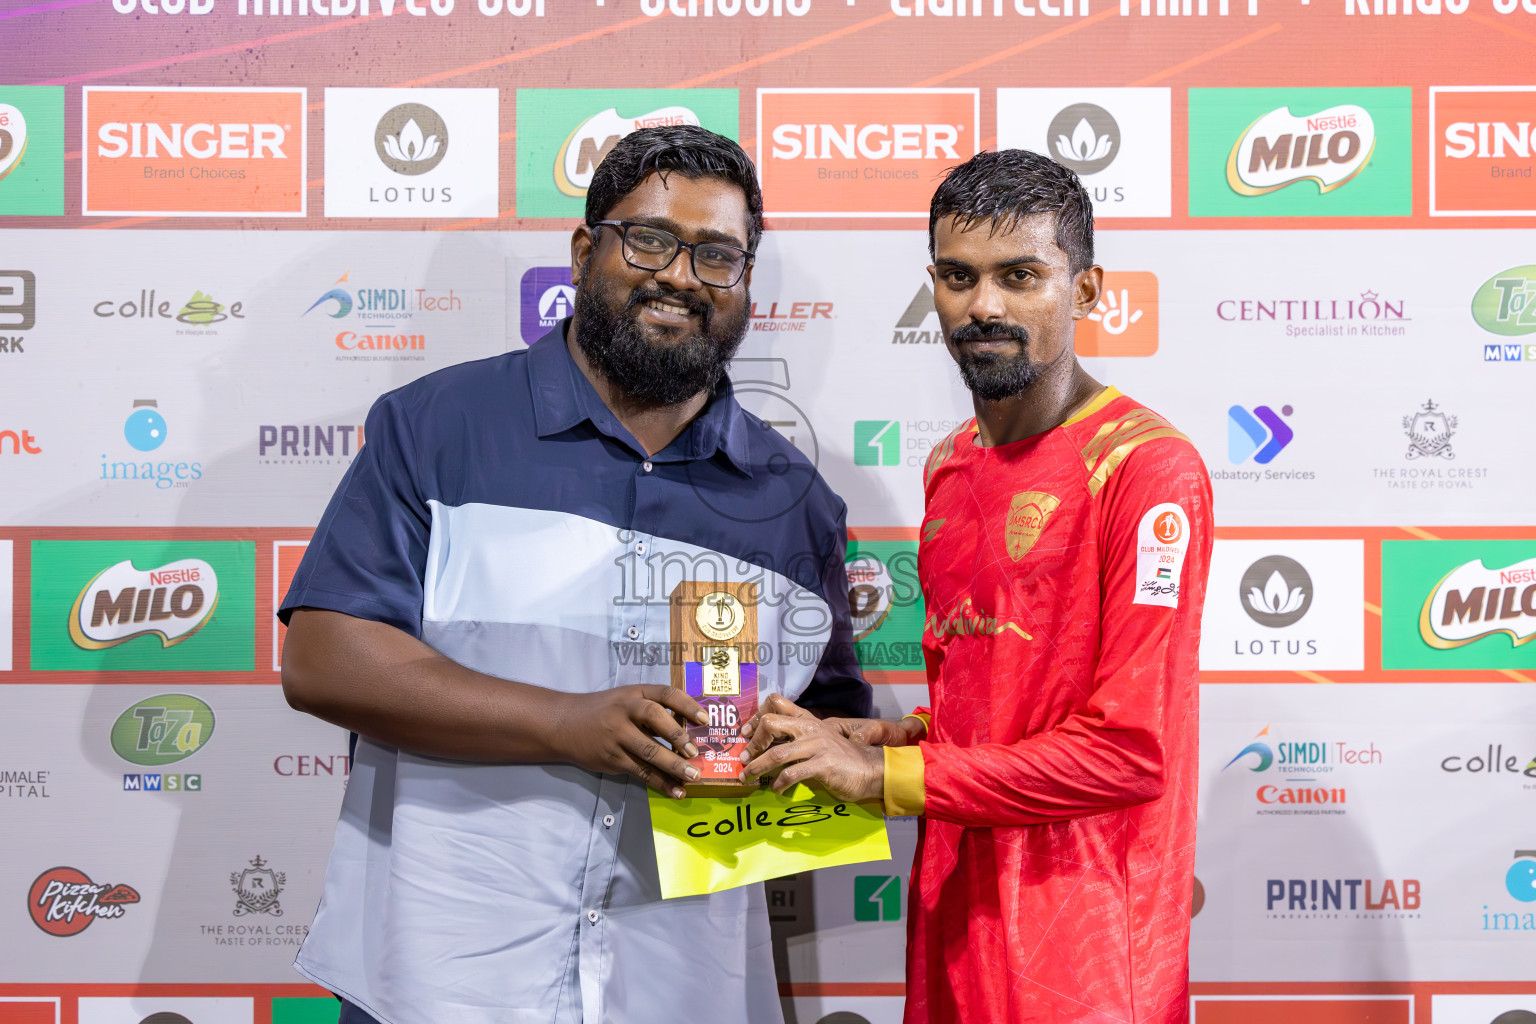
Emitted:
<point x="1162" y="539"/>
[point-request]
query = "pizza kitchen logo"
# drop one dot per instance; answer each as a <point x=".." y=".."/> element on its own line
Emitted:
<point x="172" y="601"/>
<point x="63" y="901"/>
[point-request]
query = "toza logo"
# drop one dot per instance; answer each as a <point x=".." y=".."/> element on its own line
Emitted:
<point x="64" y="901"/>
<point x="162" y="730"/>
<point x="1506" y="303"/>
<point x="172" y="602"/>
<point x="1429" y="433"/>
<point x="1276" y="591"/>
<point x="1329" y="147"/>
<point x="411" y="139"/>
<point x="1084" y="137"/>
<point x="1260" y="435"/>
<point x="257" y="888"/>
<point x="1473" y="601"/>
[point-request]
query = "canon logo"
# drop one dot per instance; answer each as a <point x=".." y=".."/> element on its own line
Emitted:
<point x="201" y="141"/>
<point x="1495" y="139"/>
<point x="870" y="141"/>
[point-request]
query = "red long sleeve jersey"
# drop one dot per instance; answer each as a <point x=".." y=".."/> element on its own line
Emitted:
<point x="1064" y="576"/>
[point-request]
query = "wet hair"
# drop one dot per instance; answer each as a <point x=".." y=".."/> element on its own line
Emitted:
<point x="1011" y="184"/>
<point x="684" y="149"/>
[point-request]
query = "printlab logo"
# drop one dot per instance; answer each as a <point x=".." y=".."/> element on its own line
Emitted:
<point x="63" y="901"/>
<point x="1116" y="140"/>
<point x="547" y="298"/>
<point x="1458" y="604"/>
<point x="411" y="139"/>
<point x="31" y="150"/>
<point x="257" y="888"/>
<point x="313" y="444"/>
<point x="877" y="897"/>
<point x="1505" y="304"/>
<point x="1339" y="898"/>
<point x="1300" y="152"/>
<point x="1480" y="156"/>
<point x="1259" y="434"/>
<point x="1276" y="591"/>
<point x="877" y="443"/>
<point x="1124" y="323"/>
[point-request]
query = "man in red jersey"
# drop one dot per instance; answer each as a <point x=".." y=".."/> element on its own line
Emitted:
<point x="1063" y="562"/>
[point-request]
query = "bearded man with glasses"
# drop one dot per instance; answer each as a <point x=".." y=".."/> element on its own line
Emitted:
<point x="484" y="603"/>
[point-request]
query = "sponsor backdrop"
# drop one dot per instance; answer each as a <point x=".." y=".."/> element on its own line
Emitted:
<point x="226" y="226"/>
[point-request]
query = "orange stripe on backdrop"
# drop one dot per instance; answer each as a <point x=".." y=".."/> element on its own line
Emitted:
<point x="1418" y="532"/>
<point x="1020" y="48"/>
<point x="788" y="51"/>
<point x="1225" y="48"/>
<point x="1483" y="19"/>
<point x="537" y="51"/>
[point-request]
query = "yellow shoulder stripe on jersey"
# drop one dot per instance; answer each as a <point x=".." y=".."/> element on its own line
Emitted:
<point x="944" y="449"/>
<point x="1117" y="439"/>
<point x="1093" y="405"/>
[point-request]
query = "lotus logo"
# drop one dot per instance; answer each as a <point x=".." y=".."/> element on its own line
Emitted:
<point x="1329" y="147"/>
<point x="13" y="138"/>
<point x="1276" y="591"/>
<point x="411" y="139"/>
<point x="172" y="602"/>
<point x="595" y="138"/>
<point x="1473" y="601"/>
<point x="1084" y="137"/>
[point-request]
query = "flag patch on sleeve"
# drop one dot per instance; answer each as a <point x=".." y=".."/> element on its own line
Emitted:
<point x="1161" y="542"/>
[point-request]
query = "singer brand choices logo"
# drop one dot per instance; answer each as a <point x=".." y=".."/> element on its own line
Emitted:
<point x="1481" y="157"/>
<point x="1458" y="604"/>
<point x="32" y="150"/>
<point x="1124" y="323"/>
<point x="64" y="901"/>
<point x="1300" y="152"/>
<point x="563" y="134"/>
<point x="861" y="152"/>
<point x="143" y="605"/>
<point x="194" y="152"/>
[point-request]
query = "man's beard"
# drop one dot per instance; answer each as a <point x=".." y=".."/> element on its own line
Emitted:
<point x="993" y="376"/>
<point x="664" y="373"/>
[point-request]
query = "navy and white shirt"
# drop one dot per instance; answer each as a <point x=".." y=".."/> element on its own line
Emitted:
<point x="501" y="513"/>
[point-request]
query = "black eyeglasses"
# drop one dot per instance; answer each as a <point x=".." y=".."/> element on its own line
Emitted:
<point x="651" y="248"/>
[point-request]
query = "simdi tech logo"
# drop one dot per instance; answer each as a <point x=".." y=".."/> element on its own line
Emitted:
<point x="143" y="605"/>
<point x="412" y="153"/>
<point x="178" y="152"/>
<point x="1300" y="152"/>
<point x="32" y="150"/>
<point x="1480" y="159"/>
<point x="1458" y="604"/>
<point x="861" y="152"/>
<point x="563" y="134"/>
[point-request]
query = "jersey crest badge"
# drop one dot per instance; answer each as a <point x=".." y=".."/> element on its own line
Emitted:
<point x="1027" y="516"/>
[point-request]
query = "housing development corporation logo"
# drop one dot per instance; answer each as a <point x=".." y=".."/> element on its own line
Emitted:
<point x="31" y="150"/>
<point x="1116" y="140"/>
<point x="1481" y="151"/>
<point x="411" y="153"/>
<point x="1300" y="152"/>
<point x="563" y="134"/>
<point x="877" y="897"/>
<point x="548" y="296"/>
<point x="1458" y="604"/>
<point x="861" y="152"/>
<point x="877" y="443"/>
<point x="1124" y="323"/>
<point x="63" y="901"/>
<point x="174" y="152"/>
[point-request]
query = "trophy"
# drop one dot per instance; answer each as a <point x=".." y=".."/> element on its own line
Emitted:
<point x="714" y="644"/>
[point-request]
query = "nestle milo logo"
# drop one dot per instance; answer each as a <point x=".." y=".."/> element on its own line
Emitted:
<point x="162" y="730"/>
<point x="172" y="601"/>
<point x="1506" y="302"/>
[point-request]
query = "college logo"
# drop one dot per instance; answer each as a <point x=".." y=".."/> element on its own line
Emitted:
<point x="1124" y="323"/>
<point x="1031" y="510"/>
<point x="548" y="297"/>
<point x="1259" y="435"/>
<point x="175" y="152"/>
<point x="1299" y="152"/>
<point x="1506" y="303"/>
<point x="1276" y="591"/>
<point x="1458" y="604"/>
<point x="201" y="310"/>
<point x="162" y="730"/>
<point x="886" y="602"/>
<point x="412" y="153"/>
<point x="257" y="888"/>
<point x="1480" y="157"/>
<point x="877" y="443"/>
<point x="1116" y="140"/>
<point x="31" y="150"/>
<point x="861" y="152"/>
<point x="1429" y="433"/>
<point x="64" y="901"/>
<point x="1493" y="761"/>
<point x="563" y="134"/>
<point x="191" y="606"/>
<point x="1473" y="601"/>
<point x="877" y="897"/>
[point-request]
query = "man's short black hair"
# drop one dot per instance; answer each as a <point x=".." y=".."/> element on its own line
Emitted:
<point x="685" y="149"/>
<point x="1005" y="186"/>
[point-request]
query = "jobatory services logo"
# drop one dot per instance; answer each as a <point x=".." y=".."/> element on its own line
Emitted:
<point x="886" y="602"/>
<point x="1116" y="140"/>
<point x="32" y="150"/>
<point x="1505" y="304"/>
<point x="547" y="298"/>
<point x="1300" y="152"/>
<point x="412" y="153"/>
<point x="563" y="134"/>
<point x="192" y="152"/>
<point x="143" y="605"/>
<point x="1124" y="323"/>
<point x="18" y="309"/>
<point x="861" y="152"/>
<point x="1480" y="161"/>
<point x="1458" y="604"/>
<point x="63" y="901"/>
<point x="308" y="444"/>
<point x="1259" y="434"/>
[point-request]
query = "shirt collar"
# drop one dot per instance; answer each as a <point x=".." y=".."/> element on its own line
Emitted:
<point x="564" y="398"/>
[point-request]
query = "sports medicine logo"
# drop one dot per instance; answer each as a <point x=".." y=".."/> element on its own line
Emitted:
<point x="1300" y="152"/>
<point x="563" y="134"/>
<point x="412" y="153"/>
<point x="1458" y="604"/>
<point x="1124" y="323"/>
<point x="1480" y="158"/>
<point x="31" y="150"/>
<point x="183" y="152"/>
<point x="547" y="298"/>
<point x="63" y="901"/>
<point x="1259" y="435"/>
<point x="1116" y="140"/>
<point x="861" y="152"/>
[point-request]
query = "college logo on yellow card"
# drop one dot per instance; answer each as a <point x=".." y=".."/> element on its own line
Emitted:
<point x="1027" y="516"/>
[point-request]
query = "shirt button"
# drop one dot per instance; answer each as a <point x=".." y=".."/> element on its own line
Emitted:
<point x="640" y="548"/>
<point x="592" y="916"/>
<point x="646" y="465"/>
<point x="607" y="821"/>
<point x="634" y="632"/>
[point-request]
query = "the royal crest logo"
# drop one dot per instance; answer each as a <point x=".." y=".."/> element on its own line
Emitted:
<point x="172" y="602"/>
<point x="64" y="901"/>
<point x="257" y="888"/>
<point x="1329" y="147"/>
<point x="1473" y="601"/>
<point x="1429" y="433"/>
<point x="1027" y="515"/>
